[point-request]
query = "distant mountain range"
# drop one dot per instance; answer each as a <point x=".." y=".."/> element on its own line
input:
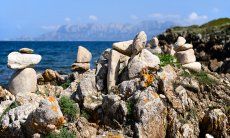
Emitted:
<point x="103" y="32"/>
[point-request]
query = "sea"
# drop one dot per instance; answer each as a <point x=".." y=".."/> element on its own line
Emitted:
<point x="58" y="56"/>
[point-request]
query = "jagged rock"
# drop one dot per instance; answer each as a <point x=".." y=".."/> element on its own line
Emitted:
<point x="155" y="50"/>
<point x="83" y="55"/>
<point x="12" y="121"/>
<point x="28" y="98"/>
<point x="185" y="57"/>
<point x="127" y="88"/>
<point x="87" y="92"/>
<point x="114" y="109"/>
<point x="215" y="123"/>
<point x="5" y="95"/>
<point x="49" y="90"/>
<point x="195" y="66"/>
<point x="183" y="47"/>
<point x="140" y="61"/>
<point x="17" y="60"/>
<point x="150" y="114"/>
<point x="23" y="81"/>
<point x="50" y="75"/>
<point x="113" y="68"/>
<point x="215" y="65"/>
<point x="46" y="118"/>
<point x="124" y="47"/>
<point x="83" y="129"/>
<point x="139" y="42"/>
<point x="154" y="42"/>
<point x="80" y="66"/>
<point x="186" y="102"/>
<point x="180" y="41"/>
<point x="26" y="50"/>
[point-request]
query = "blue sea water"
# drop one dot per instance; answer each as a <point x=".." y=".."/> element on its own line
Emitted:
<point x="55" y="55"/>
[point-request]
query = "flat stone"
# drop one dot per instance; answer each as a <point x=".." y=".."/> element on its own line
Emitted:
<point x="185" y="57"/>
<point x="23" y="81"/>
<point x="139" y="42"/>
<point x="26" y="50"/>
<point x="83" y="55"/>
<point x="183" y="47"/>
<point x="80" y="66"/>
<point x="180" y="41"/>
<point x="195" y="66"/>
<point x="124" y="47"/>
<point x="18" y="60"/>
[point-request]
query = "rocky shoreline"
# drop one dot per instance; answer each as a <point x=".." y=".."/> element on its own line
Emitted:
<point x="139" y="88"/>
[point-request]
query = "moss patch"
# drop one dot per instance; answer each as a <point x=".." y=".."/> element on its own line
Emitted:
<point x="64" y="133"/>
<point x="167" y="59"/>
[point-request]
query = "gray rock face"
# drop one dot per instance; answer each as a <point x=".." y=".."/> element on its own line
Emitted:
<point x="84" y="129"/>
<point x="83" y="55"/>
<point x="124" y="47"/>
<point x="46" y="118"/>
<point x="139" y="42"/>
<point x="150" y="113"/>
<point x="26" y="50"/>
<point x="17" y="60"/>
<point x="140" y="61"/>
<point x="114" y="109"/>
<point x="23" y="81"/>
<point x="127" y="88"/>
<point x="186" y="56"/>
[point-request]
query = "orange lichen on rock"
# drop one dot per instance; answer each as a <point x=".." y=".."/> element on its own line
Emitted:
<point x="147" y="77"/>
<point x="61" y="121"/>
<point x="51" y="99"/>
<point x="54" y="108"/>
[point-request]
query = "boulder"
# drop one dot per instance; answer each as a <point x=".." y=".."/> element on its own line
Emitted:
<point x="180" y="41"/>
<point x="195" y="66"/>
<point x="151" y="114"/>
<point x="127" y="88"/>
<point x="154" y="42"/>
<point x="185" y="57"/>
<point x="46" y="118"/>
<point x="139" y="42"/>
<point x="80" y="67"/>
<point x="18" y="60"/>
<point x="124" y="47"/>
<point x="183" y="47"/>
<point x="23" y="81"/>
<point x="215" y="64"/>
<point x="155" y="50"/>
<point x="52" y="76"/>
<point x="26" y="50"/>
<point x="140" y="61"/>
<point x="83" y="55"/>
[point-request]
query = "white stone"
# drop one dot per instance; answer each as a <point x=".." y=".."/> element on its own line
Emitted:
<point x="185" y="57"/>
<point x="180" y="41"/>
<point x="83" y="55"/>
<point x="124" y="47"/>
<point x="139" y="42"/>
<point x="183" y="47"/>
<point x="208" y="136"/>
<point x="18" y="60"/>
<point x="140" y="61"/>
<point x="23" y="81"/>
<point x="195" y="66"/>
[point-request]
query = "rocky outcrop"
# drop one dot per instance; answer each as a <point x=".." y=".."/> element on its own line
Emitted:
<point x="139" y="42"/>
<point x="124" y="47"/>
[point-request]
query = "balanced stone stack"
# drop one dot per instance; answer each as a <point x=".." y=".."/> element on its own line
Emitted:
<point x="24" y="80"/>
<point x="185" y="55"/>
<point x="83" y="60"/>
<point x="153" y="46"/>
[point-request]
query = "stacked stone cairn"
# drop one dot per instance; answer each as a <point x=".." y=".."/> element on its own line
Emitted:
<point x="24" y="79"/>
<point x="185" y="55"/>
<point x="82" y="62"/>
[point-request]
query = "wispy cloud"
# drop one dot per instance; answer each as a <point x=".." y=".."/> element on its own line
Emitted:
<point x="194" y="16"/>
<point x="134" y="17"/>
<point x="93" y="17"/>
<point x="50" y="27"/>
<point x="164" y="17"/>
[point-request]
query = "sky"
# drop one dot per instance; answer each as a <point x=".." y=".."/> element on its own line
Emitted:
<point x="34" y="17"/>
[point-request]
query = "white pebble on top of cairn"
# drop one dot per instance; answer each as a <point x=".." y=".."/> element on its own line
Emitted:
<point x="82" y="62"/>
<point x="185" y="55"/>
<point x="24" y="79"/>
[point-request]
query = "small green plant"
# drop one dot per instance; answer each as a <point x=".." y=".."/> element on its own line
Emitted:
<point x="202" y="77"/>
<point x="130" y="107"/>
<point x="66" y="84"/>
<point x="68" y="107"/>
<point x="13" y="105"/>
<point x="85" y="114"/>
<point x="167" y="59"/>
<point x="64" y="133"/>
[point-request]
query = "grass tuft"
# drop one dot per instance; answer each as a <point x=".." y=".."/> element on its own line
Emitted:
<point x="167" y="59"/>
<point x="66" y="84"/>
<point x="64" y="133"/>
<point x="68" y="107"/>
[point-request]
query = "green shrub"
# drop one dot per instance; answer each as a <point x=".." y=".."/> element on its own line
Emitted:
<point x="66" y="84"/>
<point x="64" y="133"/>
<point x="130" y="107"/>
<point x="68" y="107"/>
<point x="202" y="77"/>
<point x="167" y="59"/>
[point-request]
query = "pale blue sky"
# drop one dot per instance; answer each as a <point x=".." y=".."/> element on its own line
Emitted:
<point x="34" y="17"/>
